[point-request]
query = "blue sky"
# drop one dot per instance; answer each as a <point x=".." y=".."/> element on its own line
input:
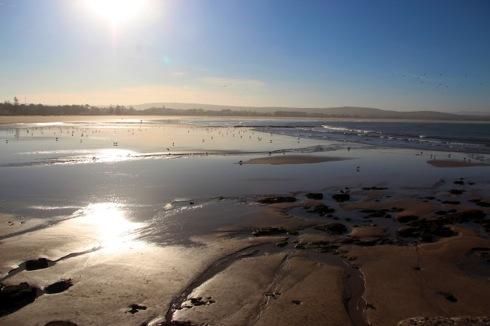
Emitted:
<point x="405" y="55"/>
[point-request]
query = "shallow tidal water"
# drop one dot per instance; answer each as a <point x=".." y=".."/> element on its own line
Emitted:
<point x="53" y="169"/>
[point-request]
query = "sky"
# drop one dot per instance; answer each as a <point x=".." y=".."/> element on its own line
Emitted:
<point x="393" y="54"/>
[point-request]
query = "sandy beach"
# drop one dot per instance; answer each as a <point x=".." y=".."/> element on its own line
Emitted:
<point x="156" y="224"/>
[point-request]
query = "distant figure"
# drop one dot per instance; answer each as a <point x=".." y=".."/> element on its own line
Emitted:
<point x="358" y="168"/>
<point x="240" y="162"/>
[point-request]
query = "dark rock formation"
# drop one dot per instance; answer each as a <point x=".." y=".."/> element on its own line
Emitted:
<point x="332" y="228"/>
<point x="58" y="287"/>
<point x="14" y="297"/>
<point x="341" y="197"/>
<point x="40" y="263"/>
<point x="134" y="308"/>
<point x="314" y="195"/>
<point x="269" y="231"/>
<point x="277" y="199"/>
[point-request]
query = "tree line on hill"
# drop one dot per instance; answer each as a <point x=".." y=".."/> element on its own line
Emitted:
<point x="8" y="108"/>
<point x="16" y="108"/>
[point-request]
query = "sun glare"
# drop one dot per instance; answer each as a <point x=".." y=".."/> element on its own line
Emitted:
<point x="112" y="227"/>
<point x="117" y="11"/>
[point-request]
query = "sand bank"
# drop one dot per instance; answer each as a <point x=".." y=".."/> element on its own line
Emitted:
<point x="293" y="159"/>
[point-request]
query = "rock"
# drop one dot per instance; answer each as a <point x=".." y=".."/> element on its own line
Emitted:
<point x="451" y="202"/>
<point x="374" y="188"/>
<point x="273" y="295"/>
<point x="282" y="244"/>
<point x="407" y="232"/>
<point x="58" y="287"/>
<point x="407" y="218"/>
<point x="277" y="199"/>
<point x="443" y="232"/>
<point x="40" y="263"/>
<point x="367" y="242"/>
<point x="178" y="323"/>
<point x="443" y="212"/>
<point x="269" y="231"/>
<point x="300" y="246"/>
<point x="134" y="308"/>
<point x="341" y="197"/>
<point x="445" y="321"/>
<point x="323" y="245"/>
<point x="376" y="214"/>
<point x="198" y="301"/>
<point x="426" y="230"/>
<point x="470" y="215"/>
<point x="321" y="209"/>
<point x="449" y="297"/>
<point x="314" y="195"/>
<point x="14" y="297"/>
<point x="456" y="191"/>
<point x="60" y="323"/>
<point x="397" y="209"/>
<point x="332" y="228"/>
<point x="481" y="203"/>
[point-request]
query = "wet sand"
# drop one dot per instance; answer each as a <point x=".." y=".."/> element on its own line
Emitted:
<point x="317" y="258"/>
<point x="293" y="159"/>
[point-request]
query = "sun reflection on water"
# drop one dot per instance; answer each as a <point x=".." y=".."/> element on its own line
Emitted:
<point x="113" y="229"/>
<point x="111" y="155"/>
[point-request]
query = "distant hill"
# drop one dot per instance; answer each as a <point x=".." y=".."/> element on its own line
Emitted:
<point x="190" y="109"/>
<point x="344" y="111"/>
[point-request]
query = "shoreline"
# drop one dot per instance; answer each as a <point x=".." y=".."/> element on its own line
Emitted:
<point x="12" y="119"/>
<point x="454" y="163"/>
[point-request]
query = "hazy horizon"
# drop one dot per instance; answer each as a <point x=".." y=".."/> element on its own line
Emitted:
<point x="405" y="56"/>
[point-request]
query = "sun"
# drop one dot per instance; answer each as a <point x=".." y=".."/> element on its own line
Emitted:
<point x="117" y="11"/>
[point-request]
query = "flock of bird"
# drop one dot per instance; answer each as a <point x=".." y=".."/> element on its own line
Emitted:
<point x="442" y="80"/>
<point x="130" y="135"/>
<point x="187" y="136"/>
